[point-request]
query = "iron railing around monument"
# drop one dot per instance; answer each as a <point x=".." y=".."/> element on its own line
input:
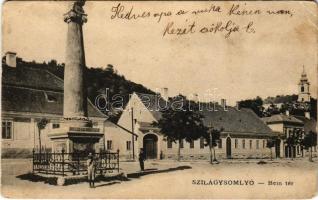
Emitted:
<point x="74" y="163"/>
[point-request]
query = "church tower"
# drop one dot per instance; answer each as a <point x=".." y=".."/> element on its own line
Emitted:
<point x="303" y="85"/>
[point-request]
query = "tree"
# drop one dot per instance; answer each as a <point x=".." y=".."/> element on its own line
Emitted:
<point x="181" y="122"/>
<point x="313" y="108"/>
<point x="273" y="109"/>
<point x="255" y="104"/>
<point x="41" y="125"/>
<point x="270" y="143"/>
<point x="212" y="136"/>
<point x="309" y="141"/>
<point x="295" y="138"/>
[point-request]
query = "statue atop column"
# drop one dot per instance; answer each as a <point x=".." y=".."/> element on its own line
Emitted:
<point x="76" y="13"/>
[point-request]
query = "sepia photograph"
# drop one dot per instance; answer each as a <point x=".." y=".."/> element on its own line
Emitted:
<point x="159" y="99"/>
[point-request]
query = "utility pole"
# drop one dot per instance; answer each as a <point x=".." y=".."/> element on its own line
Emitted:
<point x="132" y="130"/>
<point x="210" y="142"/>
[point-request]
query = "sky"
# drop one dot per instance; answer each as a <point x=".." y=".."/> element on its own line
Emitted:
<point x="268" y="62"/>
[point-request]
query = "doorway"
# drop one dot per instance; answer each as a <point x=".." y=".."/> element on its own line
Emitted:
<point x="228" y="148"/>
<point x="277" y="148"/>
<point x="150" y="146"/>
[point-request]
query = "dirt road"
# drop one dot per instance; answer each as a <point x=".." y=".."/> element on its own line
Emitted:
<point x="229" y="179"/>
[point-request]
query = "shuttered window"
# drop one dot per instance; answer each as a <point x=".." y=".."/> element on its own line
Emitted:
<point x="7" y="130"/>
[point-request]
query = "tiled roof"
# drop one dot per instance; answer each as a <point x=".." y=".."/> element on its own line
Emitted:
<point x="35" y="91"/>
<point x="280" y="118"/>
<point x="31" y="78"/>
<point x="28" y="100"/>
<point x="232" y="120"/>
<point x="309" y="124"/>
<point x="235" y="121"/>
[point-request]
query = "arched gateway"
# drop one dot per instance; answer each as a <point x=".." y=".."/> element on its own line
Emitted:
<point x="150" y="145"/>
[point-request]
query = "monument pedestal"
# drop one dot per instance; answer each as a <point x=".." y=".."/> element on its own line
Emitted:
<point x="75" y="139"/>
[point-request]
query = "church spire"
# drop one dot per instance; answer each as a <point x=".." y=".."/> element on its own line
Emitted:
<point x="303" y="75"/>
<point x="303" y="94"/>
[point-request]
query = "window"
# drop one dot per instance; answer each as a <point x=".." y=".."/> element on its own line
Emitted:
<point x="169" y="144"/>
<point x="220" y="143"/>
<point x="257" y="144"/>
<point x="50" y="97"/>
<point x="264" y="145"/>
<point x="302" y="89"/>
<point x="191" y="144"/>
<point x="290" y="133"/>
<point x="128" y="145"/>
<point x="6" y="130"/>
<point x="251" y="144"/>
<point x="109" y="144"/>
<point x="55" y="125"/>
<point x="243" y="144"/>
<point x="181" y="144"/>
<point x="201" y="143"/>
<point x="236" y="143"/>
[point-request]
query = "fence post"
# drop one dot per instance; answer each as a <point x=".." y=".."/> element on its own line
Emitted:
<point x="118" y="160"/>
<point x="47" y="162"/>
<point x="78" y="163"/>
<point x="62" y="162"/>
<point x="100" y="160"/>
<point x="109" y="159"/>
<point x="53" y="162"/>
<point x="33" y="160"/>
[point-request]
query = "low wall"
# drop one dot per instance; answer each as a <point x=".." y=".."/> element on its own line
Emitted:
<point x="16" y="153"/>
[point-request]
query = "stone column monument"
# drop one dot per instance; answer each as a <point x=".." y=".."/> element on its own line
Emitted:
<point x="75" y="97"/>
<point x="75" y="133"/>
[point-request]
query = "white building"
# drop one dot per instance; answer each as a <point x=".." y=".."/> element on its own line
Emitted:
<point x="285" y="126"/>
<point x="244" y="132"/>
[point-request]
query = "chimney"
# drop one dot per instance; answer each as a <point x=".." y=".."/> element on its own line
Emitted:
<point x="194" y="97"/>
<point x="237" y="105"/>
<point x="223" y="104"/>
<point x="287" y="112"/>
<point x="11" y="59"/>
<point x="307" y="115"/>
<point x="164" y="93"/>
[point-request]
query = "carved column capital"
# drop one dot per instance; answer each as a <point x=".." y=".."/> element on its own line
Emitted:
<point x="76" y="14"/>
